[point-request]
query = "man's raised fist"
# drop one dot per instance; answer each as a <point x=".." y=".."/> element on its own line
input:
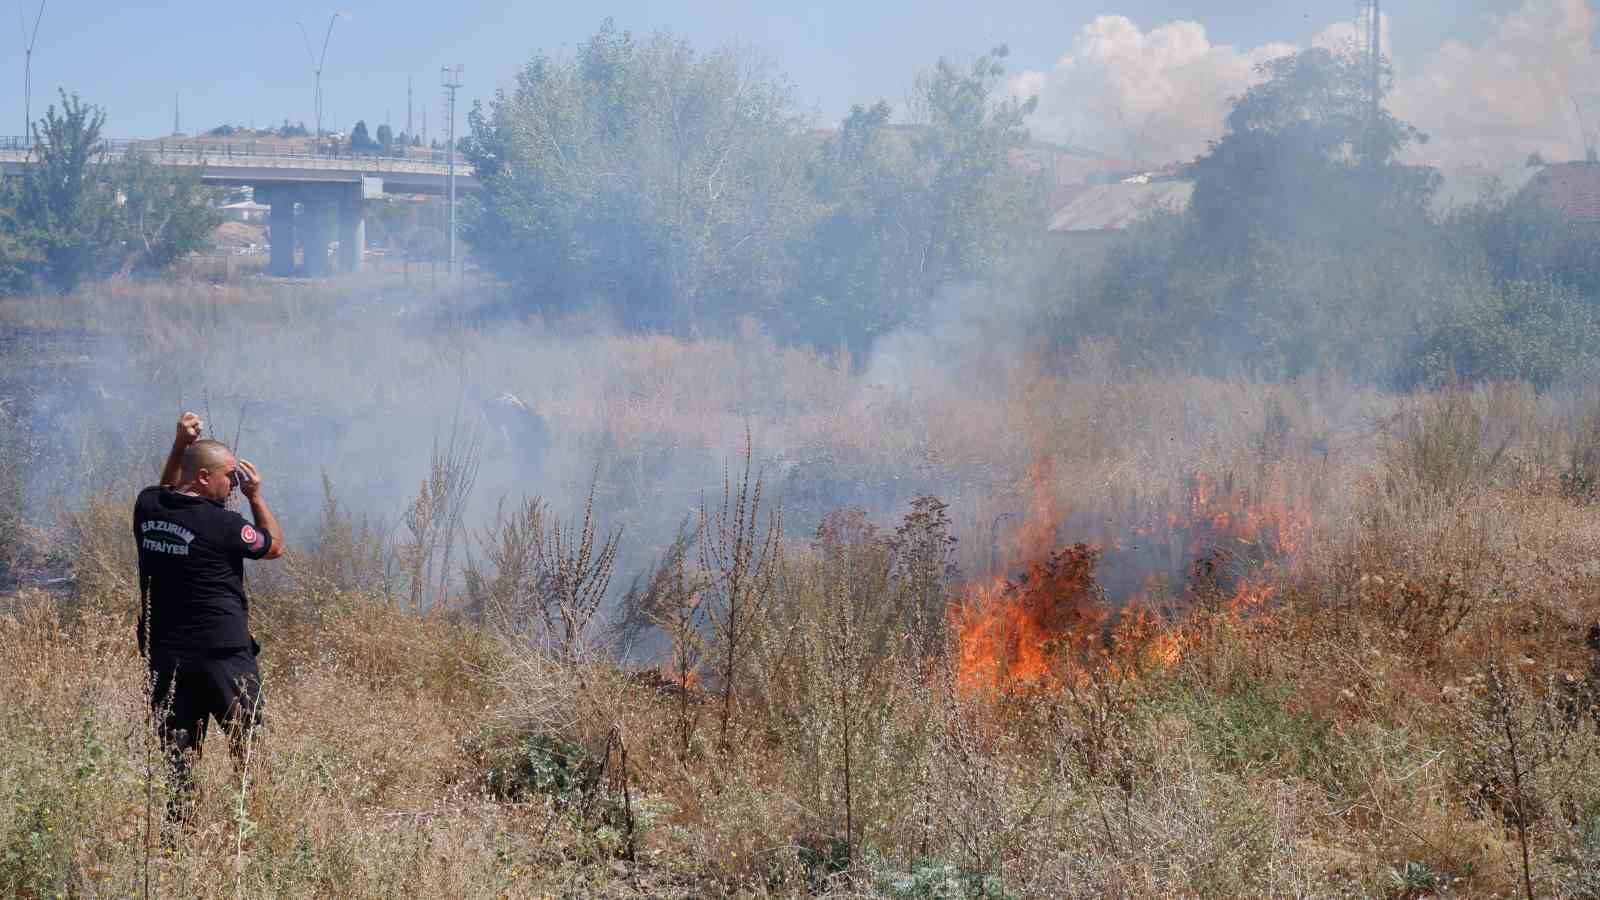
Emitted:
<point x="189" y="428"/>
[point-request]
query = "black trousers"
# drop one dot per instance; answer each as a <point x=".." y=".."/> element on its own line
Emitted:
<point x="190" y="689"/>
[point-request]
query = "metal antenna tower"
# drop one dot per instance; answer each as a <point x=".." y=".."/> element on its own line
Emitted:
<point x="28" y="41"/>
<point x="450" y="77"/>
<point x="410" y="135"/>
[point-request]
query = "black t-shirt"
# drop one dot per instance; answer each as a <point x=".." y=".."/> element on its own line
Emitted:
<point x="191" y="567"/>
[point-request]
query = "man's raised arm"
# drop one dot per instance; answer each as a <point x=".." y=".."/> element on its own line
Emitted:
<point x="259" y="510"/>
<point x="189" y="428"/>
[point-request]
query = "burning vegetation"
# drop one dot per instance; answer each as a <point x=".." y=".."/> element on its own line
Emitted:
<point x="1125" y="600"/>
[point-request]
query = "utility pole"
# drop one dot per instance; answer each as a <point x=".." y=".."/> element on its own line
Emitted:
<point x="28" y="41"/>
<point x="451" y="78"/>
<point x="316" y="65"/>
<point x="409" y="133"/>
<point x="176" y="122"/>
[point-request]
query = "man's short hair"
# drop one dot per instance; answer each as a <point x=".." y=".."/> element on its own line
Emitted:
<point x="204" y="454"/>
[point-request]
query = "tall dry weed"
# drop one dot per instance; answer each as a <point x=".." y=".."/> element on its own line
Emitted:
<point x="434" y="519"/>
<point x="740" y="557"/>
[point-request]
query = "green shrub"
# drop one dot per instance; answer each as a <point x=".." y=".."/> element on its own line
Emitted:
<point x="36" y="859"/>
<point x="1537" y="331"/>
<point x="1250" y="728"/>
<point x="37" y="842"/>
<point x="580" y="784"/>
<point x="540" y="765"/>
<point x="1414" y="879"/>
<point x="935" y="880"/>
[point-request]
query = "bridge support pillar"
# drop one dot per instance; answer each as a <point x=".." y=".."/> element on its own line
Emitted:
<point x="316" y="233"/>
<point x="352" y="231"/>
<point x="281" y="235"/>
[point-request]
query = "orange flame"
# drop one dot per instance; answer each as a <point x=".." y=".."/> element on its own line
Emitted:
<point x="1056" y="618"/>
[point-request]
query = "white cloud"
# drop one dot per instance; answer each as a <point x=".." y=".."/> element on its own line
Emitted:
<point x="1512" y="94"/>
<point x="1154" y="96"/>
<point x="1162" y="94"/>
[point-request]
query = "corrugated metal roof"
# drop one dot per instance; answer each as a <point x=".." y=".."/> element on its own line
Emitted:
<point x="1112" y="207"/>
<point x="1571" y="190"/>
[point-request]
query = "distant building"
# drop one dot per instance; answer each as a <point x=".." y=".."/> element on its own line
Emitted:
<point x="246" y="211"/>
<point x="1570" y="190"/>
<point x="1099" y="215"/>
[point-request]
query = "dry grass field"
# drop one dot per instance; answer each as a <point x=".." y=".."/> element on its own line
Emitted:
<point x="1159" y="635"/>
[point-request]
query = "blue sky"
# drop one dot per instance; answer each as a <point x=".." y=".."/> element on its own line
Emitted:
<point x="243" y="62"/>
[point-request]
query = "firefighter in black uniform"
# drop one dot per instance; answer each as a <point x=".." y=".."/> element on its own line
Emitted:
<point x="194" y="625"/>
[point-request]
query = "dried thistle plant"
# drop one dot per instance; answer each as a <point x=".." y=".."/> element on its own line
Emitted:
<point x="739" y="562"/>
<point x="1520" y="751"/>
<point x="434" y="517"/>
<point x="575" y="570"/>
<point x="543" y="575"/>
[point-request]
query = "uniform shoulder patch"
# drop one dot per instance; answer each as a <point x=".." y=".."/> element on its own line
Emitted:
<point x="250" y="536"/>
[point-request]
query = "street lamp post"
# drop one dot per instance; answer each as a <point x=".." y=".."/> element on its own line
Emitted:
<point x="316" y="65"/>
<point x="450" y="76"/>
<point x="28" y="41"/>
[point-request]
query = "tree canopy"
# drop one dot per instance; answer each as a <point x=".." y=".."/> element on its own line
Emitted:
<point x="73" y="215"/>
<point x="685" y="189"/>
<point x="1307" y="138"/>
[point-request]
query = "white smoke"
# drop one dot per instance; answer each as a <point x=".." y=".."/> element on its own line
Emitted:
<point x="1161" y="95"/>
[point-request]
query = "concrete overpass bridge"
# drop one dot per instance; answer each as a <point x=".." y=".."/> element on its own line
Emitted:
<point x="316" y="193"/>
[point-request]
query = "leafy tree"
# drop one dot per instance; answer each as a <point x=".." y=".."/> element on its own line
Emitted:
<point x="385" y="138"/>
<point x="1520" y="238"/>
<point x="164" y="213"/>
<point x="63" y="201"/>
<point x="1307" y="243"/>
<point x="72" y="215"/>
<point x="910" y="210"/>
<point x="360" y="140"/>
<point x="661" y="180"/>
<point x="17" y="257"/>
<point x="1304" y="162"/>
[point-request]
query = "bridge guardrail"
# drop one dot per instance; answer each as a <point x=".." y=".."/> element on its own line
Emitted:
<point x="262" y="153"/>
